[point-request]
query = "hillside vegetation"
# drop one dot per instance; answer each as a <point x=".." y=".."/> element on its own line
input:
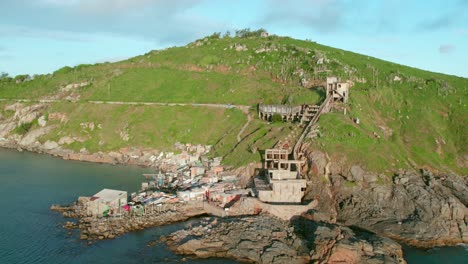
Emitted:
<point x="408" y="117"/>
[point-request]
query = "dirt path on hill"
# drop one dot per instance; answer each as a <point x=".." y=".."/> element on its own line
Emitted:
<point x="243" y="108"/>
<point x="249" y="118"/>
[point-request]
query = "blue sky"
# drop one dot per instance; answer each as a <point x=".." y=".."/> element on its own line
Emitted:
<point x="40" y="36"/>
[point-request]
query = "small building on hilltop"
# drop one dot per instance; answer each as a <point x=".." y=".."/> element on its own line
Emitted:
<point x="106" y="200"/>
<point x="337" y="89"/>
<point x="283" y="182"/>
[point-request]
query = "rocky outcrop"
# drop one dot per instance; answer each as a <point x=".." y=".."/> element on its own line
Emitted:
<point x="66" y="140"/>
<point x="331" y="243"/>
<point x="263" y="239"/>
<point x="31" y="137"/>
<point x="7" y="128"/>
<point x="73" y="86"/>
<point x="417" y="208"/>
<point x="28" y="114"/>
<point x="41" y="121"/>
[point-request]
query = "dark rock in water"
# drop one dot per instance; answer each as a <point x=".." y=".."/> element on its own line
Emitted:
<point x="263" y="239"/>
<point x="70" y="225"/>
<point x="152" y="243"/>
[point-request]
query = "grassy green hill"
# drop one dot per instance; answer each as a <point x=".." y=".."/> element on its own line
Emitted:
<point x="408" y="117"/>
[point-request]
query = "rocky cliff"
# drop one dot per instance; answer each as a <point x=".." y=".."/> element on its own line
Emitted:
<point x="417" y="208"/>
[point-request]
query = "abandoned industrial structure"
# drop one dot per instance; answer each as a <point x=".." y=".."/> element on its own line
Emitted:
<point x="337" y="90"/>
<point x="283" y="181"/>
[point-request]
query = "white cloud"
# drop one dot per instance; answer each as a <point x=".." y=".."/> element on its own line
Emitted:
<point x="167" y="22"/>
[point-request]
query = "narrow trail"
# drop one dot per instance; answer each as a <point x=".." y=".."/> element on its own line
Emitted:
<point x="243" y="108"/>
<point x="249" y="118"/>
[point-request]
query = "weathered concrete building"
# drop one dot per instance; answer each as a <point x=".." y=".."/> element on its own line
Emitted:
<point x="338" y="90"/>
<point x="288" y="113"/>
<point x="106" y="200"/>
<point x="283" y="183"/>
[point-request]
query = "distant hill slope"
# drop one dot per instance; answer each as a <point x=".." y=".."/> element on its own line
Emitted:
<point x="408" y="117"/>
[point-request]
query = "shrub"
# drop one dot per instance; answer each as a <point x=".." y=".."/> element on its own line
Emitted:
<point x="276" y="118"/>
<point x="22" y="77"/>
<point x="215" y="35"/>
<point x="23" y="128"/>
<point x="63" y="70"/>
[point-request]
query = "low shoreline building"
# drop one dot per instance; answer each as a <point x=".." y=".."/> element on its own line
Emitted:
<point x="106" y="200"/>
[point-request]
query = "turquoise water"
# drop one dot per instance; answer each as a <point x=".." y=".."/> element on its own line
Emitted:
<point x="31" y="233"/>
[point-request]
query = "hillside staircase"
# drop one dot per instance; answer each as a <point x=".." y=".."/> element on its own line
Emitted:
<point x="314" y="114"/>
<point x="309" y="112"/>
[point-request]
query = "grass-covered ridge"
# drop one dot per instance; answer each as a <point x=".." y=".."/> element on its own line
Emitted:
<point x="408" y="117"/>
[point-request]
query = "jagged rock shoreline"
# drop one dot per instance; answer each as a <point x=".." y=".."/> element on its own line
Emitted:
<point x="419" y="208"/>
<point x="265" y="239"/>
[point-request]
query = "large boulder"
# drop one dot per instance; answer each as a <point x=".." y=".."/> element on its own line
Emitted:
<point x="49" y="145"/>
<point x="357" y="173"/>
<point x="42" y="121"/>
<point x="66" y="140"/>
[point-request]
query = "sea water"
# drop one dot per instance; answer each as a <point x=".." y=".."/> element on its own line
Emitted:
<point x="31" y="233"/>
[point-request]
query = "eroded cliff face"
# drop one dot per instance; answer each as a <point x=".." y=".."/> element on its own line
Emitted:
<point x="418" y="208"/>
